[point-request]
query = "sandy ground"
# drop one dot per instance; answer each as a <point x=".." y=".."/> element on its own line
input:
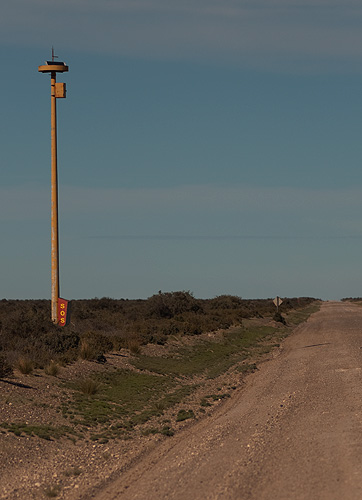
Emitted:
<point x="294" y="431"/>
<point x="32" y="468"/>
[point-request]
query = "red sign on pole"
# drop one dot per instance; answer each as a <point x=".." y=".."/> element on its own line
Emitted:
<point x="63" y="312"/>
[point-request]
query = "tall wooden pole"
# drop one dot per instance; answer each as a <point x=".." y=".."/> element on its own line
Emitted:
<point x="54" y="204"/>
<point x="58" y="90"/>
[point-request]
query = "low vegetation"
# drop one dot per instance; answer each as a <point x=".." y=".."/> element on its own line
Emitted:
<point x="112" y="403"/>
<point x="184" y="415"/>
<point x="102" y="325"/>
<point x="52" y="491"/>
<point x="47" y="432"/>
<point x="52" y="369"/>
<point x="25" y="365"/>
<point x="5" y="368"/>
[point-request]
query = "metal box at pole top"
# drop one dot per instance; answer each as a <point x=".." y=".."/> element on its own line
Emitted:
<point x="60" y="90"/>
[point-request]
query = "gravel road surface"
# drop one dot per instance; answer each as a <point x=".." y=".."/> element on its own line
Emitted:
<point x="294" y="431"/>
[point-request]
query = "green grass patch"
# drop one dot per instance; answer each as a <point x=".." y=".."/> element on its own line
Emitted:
<point x="42" y="431"/>
<point x="297" y="316"/>
<point x="247" y="368"/>
<point x="124" y="399"/>
<point x="217" y="397"/>
<point x="150" y="431"/>
<point x="204" y="402"/>
<point x="211" y="358"/>
<point x="184" y="415"/>
<point x="167" y="431"/>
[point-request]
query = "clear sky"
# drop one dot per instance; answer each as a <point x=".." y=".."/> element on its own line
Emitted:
<point x="205" y="145"/>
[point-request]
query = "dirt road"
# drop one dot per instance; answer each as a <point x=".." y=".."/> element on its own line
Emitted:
<point x="294" y="432"/>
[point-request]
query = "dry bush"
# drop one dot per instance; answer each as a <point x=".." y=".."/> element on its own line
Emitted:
<point x="25" y="365"/>
<point x="5" y="367"/>
<point x="134" y="346"/>
<point x="88" y="386"/>
<point x="86" y="350"/>
<point x="94" y="345"/>
<point x="170" y="304"/>
<point x="226" y="302"/>
<point x="60" y="340"/>
<point x="279" y="318"/>
<point x="52" y="369"/>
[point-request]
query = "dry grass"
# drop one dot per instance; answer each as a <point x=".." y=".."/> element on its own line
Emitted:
<point x="52" y="369"/>
<point x="5" y="368"/>
<point x="86" y="350"/>
<point x="24" y="365"/>
<point x="88" y="386"/>
<point x="134" y="346"/>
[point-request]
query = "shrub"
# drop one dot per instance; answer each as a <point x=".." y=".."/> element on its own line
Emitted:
<point x="279" y="318"/>
<point x="52" y="491"/>
<point x="86" y="351"/>
<point x="193" y="326"/>
<point x="25" y="365"/>
<point x="58" y="342"/>
<point x="88" y="386"/>
<point x="169" y="304"/>
<point x="94" y="345"/>
<point x="75" y="471"/>
<point x="5" y="368"/>
<point x="101" y="325"/>
<point x="167" y="431"/>
<point x="91" y="352"/>
<point x="52" y="369"/>
<point x="184" y="415"/>
<point x="226" y="302"/>
<point x="134" y="345"/>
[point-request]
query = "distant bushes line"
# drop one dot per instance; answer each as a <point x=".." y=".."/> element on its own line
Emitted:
<point x="101" y="325"/>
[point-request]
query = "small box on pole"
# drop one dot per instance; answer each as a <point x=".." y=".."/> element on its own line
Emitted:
<point x="60" y="90"/>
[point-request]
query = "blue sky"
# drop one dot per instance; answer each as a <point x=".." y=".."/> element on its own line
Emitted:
<point x="206" y="146"/>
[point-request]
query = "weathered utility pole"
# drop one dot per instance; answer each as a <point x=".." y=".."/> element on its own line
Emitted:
<point x="58" y="90"/>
